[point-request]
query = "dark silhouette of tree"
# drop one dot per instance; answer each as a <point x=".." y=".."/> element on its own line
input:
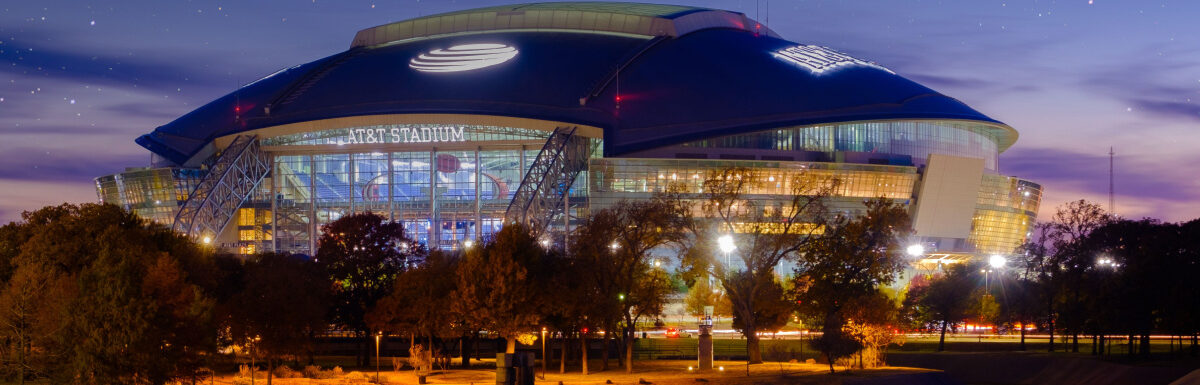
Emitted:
<point x="284" y="300"/>
<point x="502" y="284"/>
<point x="1071" y="257"/>
<point x="850" y="261"/>
<point x="1020" y="306"/>
<point x="362" y="254"/>
<point x="116" y="301"/>
<point x="616" y="245"/>
<point x="28" y="306"/>
<point x="944" y="302"/>
<point x="569" y="310"/>
<point x="419" y="304"/>
<point x="764" y="233"/>
<point x="591" y="251"/>
<point x="1185" y="309"/>
<point x="773" y="308"/>
<point x="702" y="293"/>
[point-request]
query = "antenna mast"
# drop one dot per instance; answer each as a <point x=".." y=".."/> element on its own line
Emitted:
<point x="1112" y="206"/>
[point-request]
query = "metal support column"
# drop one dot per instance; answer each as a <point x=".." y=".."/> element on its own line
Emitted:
<point x="435" y="225"/>
<point x="391" y="179"/>
<point x="478" y="196"/>
<point x="312" y="205"/>
<point x="274" y="205"/>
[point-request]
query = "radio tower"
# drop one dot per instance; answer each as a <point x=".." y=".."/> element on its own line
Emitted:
<point x="1112" y="206"/>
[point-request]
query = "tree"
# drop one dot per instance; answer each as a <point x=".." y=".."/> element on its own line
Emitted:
<point x="26" y="310"/>
<point x="772" y="308"/>
<point x="283" y="302"/>
<point x="763" y="233"/>
<point x="616" y="244"/>
<point x="702" y="293"/>
<point x="362" y="254"/>
<point x="566" y="312"/>
<point x="1071" y="256"/>
<point x="119" y="304"/>
<point x="871" y="323"/>
<point x="946" y="300"/>
<point x="850" y="261"/>
<point x="419" y="302"/>
<point x="502" y="283"/>
<point x="1020" y="306"/>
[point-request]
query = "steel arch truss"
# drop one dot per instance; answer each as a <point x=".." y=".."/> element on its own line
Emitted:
<point x="544" y="189"/>
<point x="233" y="177"/>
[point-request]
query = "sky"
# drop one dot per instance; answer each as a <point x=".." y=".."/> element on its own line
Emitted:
<point x="79" y="80"/>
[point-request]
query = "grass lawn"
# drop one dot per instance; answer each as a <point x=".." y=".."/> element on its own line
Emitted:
<point x="656" y="372"/>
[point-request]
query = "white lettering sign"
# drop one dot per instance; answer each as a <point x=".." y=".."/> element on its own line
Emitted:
<point x="403" y="135"/>
<point x="820" y="59"/>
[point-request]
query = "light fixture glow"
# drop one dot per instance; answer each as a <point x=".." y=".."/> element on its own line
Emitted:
<point x="997" y="261"/>
<point x="463" y="57"/>
<point x="915" y="250"/>
<point x="725" y="242"/>
<point x="818" y="59"/>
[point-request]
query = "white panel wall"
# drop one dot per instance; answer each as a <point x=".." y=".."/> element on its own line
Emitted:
<point x="947" y="196"/>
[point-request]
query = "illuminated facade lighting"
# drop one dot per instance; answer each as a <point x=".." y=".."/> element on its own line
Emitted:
<point x="819" y="60"/>
<point x="464" y="57"/>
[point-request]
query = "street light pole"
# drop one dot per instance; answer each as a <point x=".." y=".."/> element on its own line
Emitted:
<point x="378" y="336"/>
<point x="543" y="353"/>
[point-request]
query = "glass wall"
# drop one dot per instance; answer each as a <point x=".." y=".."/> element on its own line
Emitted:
<point x="406" y="133"/>
<point x="915" y="139"/>
<point x="294" y="191"/>
<point x="1004" y="214"/>
<point x="613" y="179"/>
<point x="453" y="191"/>
<point x="151" y="193"/>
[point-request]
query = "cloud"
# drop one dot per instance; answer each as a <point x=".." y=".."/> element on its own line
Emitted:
<point x="143" y="110"/>
<point x="25" y="195"/>
<point x="1169" y="109"/>
<point x="31" y="60"/>
<point x="1151" y="85"/>
<point x="30" y="164"/>
<point x="1138" y="181"/>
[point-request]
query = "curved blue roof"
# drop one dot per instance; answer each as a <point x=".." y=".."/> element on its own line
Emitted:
<point x="672" y="89"/>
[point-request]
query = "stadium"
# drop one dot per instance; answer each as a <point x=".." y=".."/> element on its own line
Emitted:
<point x="454" y="124"/>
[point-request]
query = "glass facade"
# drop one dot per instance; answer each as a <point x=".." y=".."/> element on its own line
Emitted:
<point x="1004" y="214"/>
<point x="405" y="133"/>
<point x="442" y="196"/>
<point x="613" y="179"/>
<point x="895" y="142"/>
<point x="152" y="193"/>
<point x="450" y="183"/>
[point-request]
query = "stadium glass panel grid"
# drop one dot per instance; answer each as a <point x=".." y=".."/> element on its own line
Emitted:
<point x="151" y="193"/>
<point x="917" y="139"/>
<point x="441" y="197"/>
<point x="471" y="133"/>
<point x="1005" y="212"/>
<point x="613" y="179"/>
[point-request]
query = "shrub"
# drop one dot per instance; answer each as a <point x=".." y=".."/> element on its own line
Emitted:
<point x="283" y="371"/>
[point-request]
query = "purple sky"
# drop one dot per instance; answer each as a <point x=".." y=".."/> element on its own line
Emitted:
<point x="79" y="80"/>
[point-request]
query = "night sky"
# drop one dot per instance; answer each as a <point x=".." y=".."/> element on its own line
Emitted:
<point x="80" y="80"/>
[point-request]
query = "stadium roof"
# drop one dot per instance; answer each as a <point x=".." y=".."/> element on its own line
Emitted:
<point x="628" y="18"/>
<point x="646" y="87"/>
